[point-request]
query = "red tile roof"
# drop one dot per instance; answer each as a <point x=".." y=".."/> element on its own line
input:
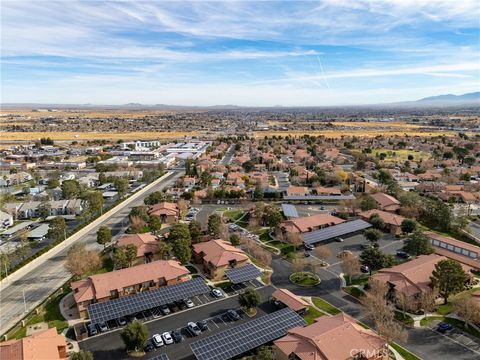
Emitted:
<point x="219" y="252"/>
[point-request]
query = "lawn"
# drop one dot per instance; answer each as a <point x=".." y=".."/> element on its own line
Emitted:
<point x="312" y="314"/>
<point x="359" y="280"/>
<point x="401" y="155"/>
<point x="427" y="320"/>
<point x="445" y="309"/>
<point x="264" y="236"/>
<point x="407" y="355"/>
<point x="325" y="306"/>
<point x="50" y="314"/>
<point x="234" y="214"/>
<point x="304" y="278"/>
<point x="405" y="318"/>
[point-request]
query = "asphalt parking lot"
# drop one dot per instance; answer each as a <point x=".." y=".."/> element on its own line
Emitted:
<point x="388" y="244"/>
<point x="109" y="345"/>
<point x="461" y="338"/>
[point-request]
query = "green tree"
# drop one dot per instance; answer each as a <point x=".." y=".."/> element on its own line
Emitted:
<point x="377" y="222"/>
<point x="94" y="201"/>
<point x="57" y="230"/>
<point x="104" y="235"/>
<point x="102" y="178"/>
<point x="375" y="259"/>
<point x="120" y="258"/>
<point x="70" y="189"/>
<point x="154" y="198"/>
<point x="164" y="249"/>
<point x="214" y="225"/>
<point x="131" y="253"/>
<point x="135" y="336"/>
<point x="182" y="250"/>
<point x="195" y="229"/>
<point x="437" y="214"/>
<point x="179" y="232"/>
<point x="44" y="210"/>
<point x="408" y="226"/>
<point x="53" y="183"/>
<point x="373" y="235"/>
<point x="418" y="244"/>
<point x="154" y="223"/>
<point x="82" y="355"/>
<point x="139" y="212"/>
<point x="273" y="216"/>
<point x="258" y="192"/>
<point x="449" y="278"/>
<point x="368" y="203"/>
<point x="121" y="184"/>
<point x="264" y="353"/>
<point x="249" y="299"/>
<point x="235" y="239"/>
<point x="205" y="179"/>
<point x="248" y="166"/>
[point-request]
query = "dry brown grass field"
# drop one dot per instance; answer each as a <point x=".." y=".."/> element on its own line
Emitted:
<point x="361" y="133"/>
<point x="32" y="136"/>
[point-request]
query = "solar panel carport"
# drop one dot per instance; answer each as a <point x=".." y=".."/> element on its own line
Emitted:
<point x="243" y="273"/>
<point x="133" y="304"/>
<point x="290" y="211"/>
<point x="247" y="336"/>
<point x="335" y="231"/>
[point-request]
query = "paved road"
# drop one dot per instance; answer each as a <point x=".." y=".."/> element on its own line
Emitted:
<point x="227" y="159"/>
<point x="110" y="345"/>
<point x="33" y="287"/>
<point x="425" y="342"/>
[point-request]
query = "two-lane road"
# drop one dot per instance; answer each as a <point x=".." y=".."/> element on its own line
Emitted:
<point x="36" y="284"/>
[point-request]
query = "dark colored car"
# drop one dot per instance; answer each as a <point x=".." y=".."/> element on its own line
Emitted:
<point x="181" y="305"/>
<point x="306" y="254"/>
<point x="444" y="327"/>
<point x="232" y="315"/>
<point x="173" y="307"/>
<point x="92" y="329"/>
<point x="402" y="254"/>
<point x="364" y="269"/>
<point x="202" y="325"/>
<point x="121" y="321"/>
<point x="308" y="246"/>
<point x="149" y="347"/>
<point x="177" y="336"/>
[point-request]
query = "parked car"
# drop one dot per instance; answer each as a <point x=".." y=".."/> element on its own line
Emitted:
<point x="167" y="338"/>
<point x="306" y="254"/>
<point x="121" y="321"/>
<point x="308" y="246"/>
<point x="189" y="303"/>
<point x="402" y="254"/>
<point x="164" y="309"/>
<point x="92" y="329"/>
<point x="444" y="327"/>
<point x="103" y="326"/>
<point x="177" y="336"/>
<point x="173" y="307"/>
<point x="157" y="340"/>
<point x="338" y="239"/>
<point x="193" y="329"/>
<point x="217" y="293"/>
<point x="180" y="304"/>
<point x="232" y="315"/>
<point x="202" y="325"/>
<point x="364" y="269"/>
<point x="149" y="347"/>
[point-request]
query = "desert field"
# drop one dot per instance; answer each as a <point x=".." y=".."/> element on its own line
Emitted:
<point x="359" y="132"/>
<point x="32" y="136"/>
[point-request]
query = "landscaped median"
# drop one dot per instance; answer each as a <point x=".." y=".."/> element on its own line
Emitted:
<point x="304" y="278"/>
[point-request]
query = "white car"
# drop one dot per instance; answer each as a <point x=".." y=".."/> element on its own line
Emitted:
<point x="189" y="303"/>
<point x="167" y="338"/>
<point x="217" y="293"/>
<point x="157" y="340"/>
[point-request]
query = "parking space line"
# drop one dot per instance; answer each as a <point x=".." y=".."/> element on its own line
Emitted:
<point x="214" y="323"/>
<point x="206" y="298"/>
<point x="220" y="317"/>
<point x="200" y="301"/>
<point x="457" y="342"/>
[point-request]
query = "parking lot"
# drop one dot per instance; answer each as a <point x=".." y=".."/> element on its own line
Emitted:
<point x="388" y="244"/>
<point x="109" y="345"/>
<point x="461" y="338"/>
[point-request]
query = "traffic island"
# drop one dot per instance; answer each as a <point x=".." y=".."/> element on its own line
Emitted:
<point x="304" y="278"/>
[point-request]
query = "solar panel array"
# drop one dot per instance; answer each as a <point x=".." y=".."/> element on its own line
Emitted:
<point x="334" y="231"/>
<point x="290" y="211"/>
<point x="133" y="304"/>
<point x="160" y="357"/>
<point x="247" y="336"/>
<point x="243" y="273"/>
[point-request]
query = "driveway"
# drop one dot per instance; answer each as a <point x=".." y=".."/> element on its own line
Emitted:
<point x="110" y="345"/>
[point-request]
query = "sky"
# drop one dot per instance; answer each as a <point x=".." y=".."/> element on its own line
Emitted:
<point x="262" y="53"/>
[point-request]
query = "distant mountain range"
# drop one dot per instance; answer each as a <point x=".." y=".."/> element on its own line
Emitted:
<point x="450" y="98"/>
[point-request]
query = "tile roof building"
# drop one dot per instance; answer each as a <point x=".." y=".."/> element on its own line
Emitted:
<point x="386" y="202"/>
<point x="309" y="223"/>
<point x="294" y="302"/>
<point x="124" y="282"/>
<point x="168" y="212"/>
<point x="336" y="337"/>
<point x="392" y="222"/>
<point x="44" y="345"/>
<point x="451" y="248"/>
<point x="218" y="255"/>
<point x="146" y="244"/>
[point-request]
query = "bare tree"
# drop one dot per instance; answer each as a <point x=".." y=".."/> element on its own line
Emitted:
<point x="390" y="330"/>
<point x="467" y="309"/>
<point x="299" y="264"/>
<point x="375" y="302"/>
<point x="323" y="253"/>
<point x="427" y="301"/>
<point x="182" y="206"/>
<point x="224" y="233"/>
<point x="137" y="224"/>
<point x="405" y="302"/>
<point x="350" y="266"/>
<point x="81" y="261"/>
<point x="294" y="239"/>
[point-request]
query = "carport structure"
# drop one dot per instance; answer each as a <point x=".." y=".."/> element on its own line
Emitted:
<point x="113" y="309"/>
<point x="245" y="337"/>
<point x="331" y="232"/>
<point x="243" y="274"/>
